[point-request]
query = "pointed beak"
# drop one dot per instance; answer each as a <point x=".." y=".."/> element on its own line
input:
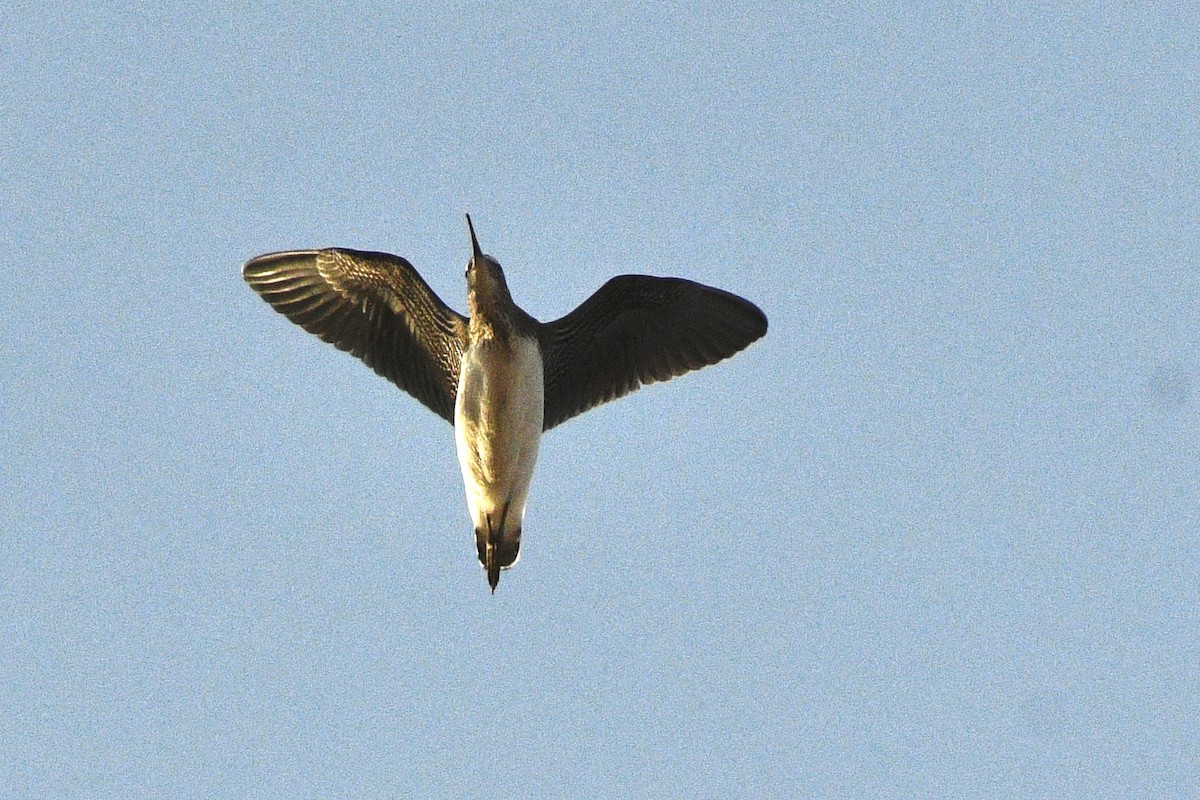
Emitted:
<point x="475" y="251"/>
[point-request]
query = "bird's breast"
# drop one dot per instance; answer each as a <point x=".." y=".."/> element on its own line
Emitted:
<point x="498" y="420"/>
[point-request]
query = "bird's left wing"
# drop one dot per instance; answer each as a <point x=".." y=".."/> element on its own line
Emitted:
<point x="374" y="306"/>
<point x="639" y="329"/>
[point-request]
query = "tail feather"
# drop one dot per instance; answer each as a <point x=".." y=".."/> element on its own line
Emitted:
<point x="499" y="546"/>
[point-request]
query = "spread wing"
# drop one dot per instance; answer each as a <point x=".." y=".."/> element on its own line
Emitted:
<point x="374" y="306"/>
<point x="638" y="329"/>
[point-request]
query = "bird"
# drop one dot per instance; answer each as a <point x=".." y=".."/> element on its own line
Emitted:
<point x="499" y="376"/>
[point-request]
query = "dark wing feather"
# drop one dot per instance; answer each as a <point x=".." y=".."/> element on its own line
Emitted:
<point x="638" y="329"/>
<point x="374" y="306"/>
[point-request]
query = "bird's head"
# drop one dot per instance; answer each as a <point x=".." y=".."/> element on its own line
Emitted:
<point x="486" y="288"/>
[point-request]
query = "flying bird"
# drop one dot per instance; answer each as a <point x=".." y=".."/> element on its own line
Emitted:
<point x="499" y="376"/>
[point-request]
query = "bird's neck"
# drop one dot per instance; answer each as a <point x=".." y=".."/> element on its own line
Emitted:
<point x="484" y="328"/>
<point x="492" y="316"/>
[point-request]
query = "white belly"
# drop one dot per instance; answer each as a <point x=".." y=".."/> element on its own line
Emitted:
<point x="497" y="427"/>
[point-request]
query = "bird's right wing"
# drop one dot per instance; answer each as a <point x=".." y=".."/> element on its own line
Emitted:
<point x="639" y="329"/>
<point x="376" y="307"/>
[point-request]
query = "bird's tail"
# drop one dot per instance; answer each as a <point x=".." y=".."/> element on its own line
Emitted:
<point x="499" y="545"/>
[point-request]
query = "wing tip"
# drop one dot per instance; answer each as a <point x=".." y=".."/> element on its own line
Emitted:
<point x="270" y="262"/>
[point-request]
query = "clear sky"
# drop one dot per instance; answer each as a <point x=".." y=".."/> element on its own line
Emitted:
<point x="935" y="536"/>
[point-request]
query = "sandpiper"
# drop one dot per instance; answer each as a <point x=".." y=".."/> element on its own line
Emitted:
<point x="499" y="376"/>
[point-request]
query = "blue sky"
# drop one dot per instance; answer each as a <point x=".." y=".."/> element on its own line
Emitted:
<point x="935" y="536"/>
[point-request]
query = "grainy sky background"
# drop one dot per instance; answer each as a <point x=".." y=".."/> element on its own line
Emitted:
<point x="935" y="536"/>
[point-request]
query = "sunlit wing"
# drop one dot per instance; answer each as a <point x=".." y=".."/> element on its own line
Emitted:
<point x="374" y="306"/>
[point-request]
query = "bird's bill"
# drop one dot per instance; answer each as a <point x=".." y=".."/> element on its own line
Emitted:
<point x="475" y="251"/>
